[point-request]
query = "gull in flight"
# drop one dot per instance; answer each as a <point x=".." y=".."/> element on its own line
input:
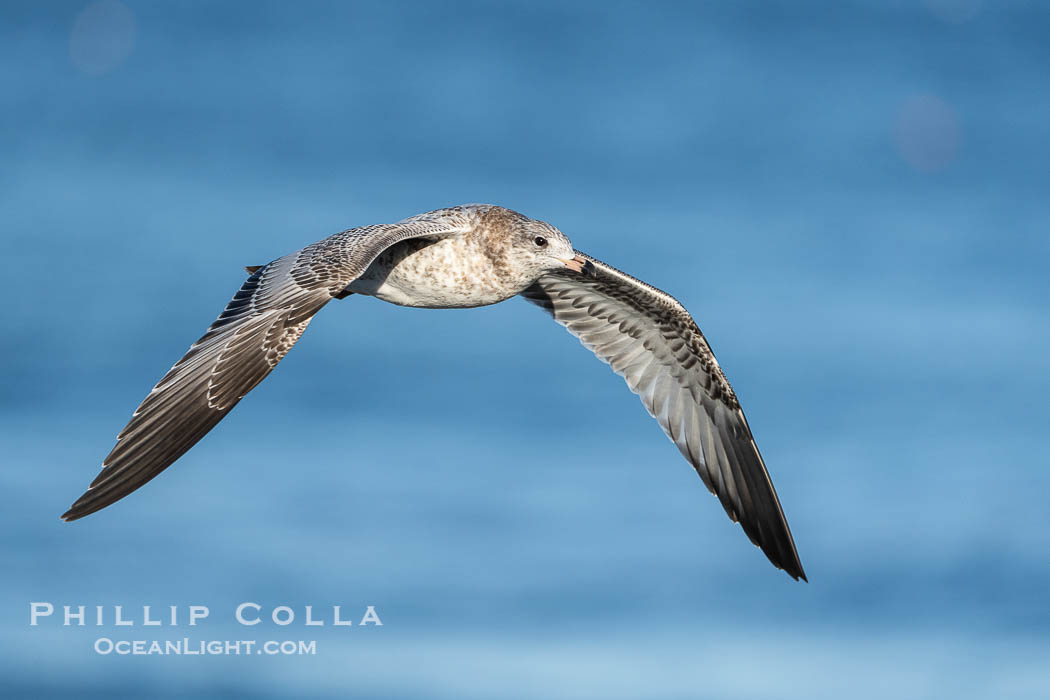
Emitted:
<point x="459" y="257"/>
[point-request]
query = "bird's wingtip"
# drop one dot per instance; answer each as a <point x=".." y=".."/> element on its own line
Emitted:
<point x="77" y="510"/>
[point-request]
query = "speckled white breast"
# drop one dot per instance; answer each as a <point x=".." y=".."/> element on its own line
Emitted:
<point x="449" y="273"/>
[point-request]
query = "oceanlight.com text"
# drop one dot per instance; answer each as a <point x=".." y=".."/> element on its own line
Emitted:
<point x="203" y="647"/>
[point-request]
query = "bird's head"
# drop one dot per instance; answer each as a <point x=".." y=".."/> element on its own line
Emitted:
<point x="529" y="248"/>
<point x="544" y="249"/>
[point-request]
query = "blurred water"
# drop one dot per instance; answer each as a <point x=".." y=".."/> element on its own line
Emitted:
<point x="850" y="197"/>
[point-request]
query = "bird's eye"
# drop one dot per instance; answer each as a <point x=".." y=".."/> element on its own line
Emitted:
<point x="540" y="241"/>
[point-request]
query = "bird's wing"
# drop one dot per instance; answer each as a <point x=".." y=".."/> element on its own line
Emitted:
<point x="258" y="327"/>
<point x="649" y="339"/>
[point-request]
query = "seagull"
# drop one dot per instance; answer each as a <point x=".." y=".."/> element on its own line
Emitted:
<point x="461" y="257"/>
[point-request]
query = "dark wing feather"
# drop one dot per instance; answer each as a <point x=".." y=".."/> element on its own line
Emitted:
<point x="650" y="340"/>
<point x="255" y="331"/>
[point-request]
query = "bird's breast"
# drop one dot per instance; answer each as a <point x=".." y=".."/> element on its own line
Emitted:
<point x="444" y="274"/>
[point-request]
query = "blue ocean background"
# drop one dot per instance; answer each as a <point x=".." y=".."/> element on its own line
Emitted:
<point x="852" y="198"/>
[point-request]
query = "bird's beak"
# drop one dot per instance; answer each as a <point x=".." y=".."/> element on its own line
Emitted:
<point x="576" y="264"/>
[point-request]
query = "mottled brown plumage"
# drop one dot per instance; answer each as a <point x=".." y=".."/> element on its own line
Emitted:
<point x="463" y="256"/>
<point x="649" y="339"/>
